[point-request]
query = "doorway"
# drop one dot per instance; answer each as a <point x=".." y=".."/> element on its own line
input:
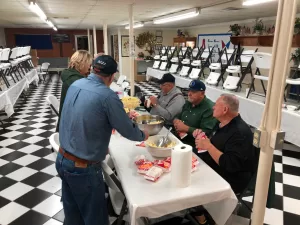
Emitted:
<point x="81" y="42"/>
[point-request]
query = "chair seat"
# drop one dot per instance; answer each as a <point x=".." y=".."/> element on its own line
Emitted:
<point x="156" y="57"/>
<point x="231" y="83"/>
<point x="42" y="73"/>
<point x="233" y="69"/>
<point x="184" y="71"/>
<point x="173" y="68"/>
<point x="185" y="61"/>
<point x="163" y="66"/>
<point x="293" y="81"/>
<point x="260" y="77"/>
<point x="215" y="66"/>
<point x="195" y="73"/>
<point x="175" y="60"/>
<point x="213" y="78"/>
<point x="156" y="64"/>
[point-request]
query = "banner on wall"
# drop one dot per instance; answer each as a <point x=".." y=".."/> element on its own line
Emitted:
<point x="219" y="41"/>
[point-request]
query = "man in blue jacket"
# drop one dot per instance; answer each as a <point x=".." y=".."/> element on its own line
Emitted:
<point x="91" y="110"/>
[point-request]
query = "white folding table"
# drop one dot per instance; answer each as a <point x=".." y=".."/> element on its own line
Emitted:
<point x="153" y="200"/>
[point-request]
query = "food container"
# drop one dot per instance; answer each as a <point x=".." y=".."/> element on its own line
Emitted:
<point x="150" y="123"/>
<point x="291" y="108"/>
<point x="160" y="152"/>
<point x="130" y="102"/>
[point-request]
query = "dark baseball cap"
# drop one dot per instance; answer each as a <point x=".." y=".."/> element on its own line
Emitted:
<point x="167" y="78"/>
<point x="197" y="85"/>
<point x="105" y="65"/>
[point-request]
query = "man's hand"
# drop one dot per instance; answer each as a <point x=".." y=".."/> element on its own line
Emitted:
<point x="153" y="100"/>
<point x="133" y="114"/>
<point x="146" y="135"/>
<point x="203" y="143"/>
<point x="180" y="126"/>
<point x="196" y="133"/>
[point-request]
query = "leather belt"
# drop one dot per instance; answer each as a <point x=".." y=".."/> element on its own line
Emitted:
<point x="82" y="163"/>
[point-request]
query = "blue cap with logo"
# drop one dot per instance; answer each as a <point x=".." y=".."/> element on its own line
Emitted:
<point x="105" y="65"/>
<point x="197" y="85"/>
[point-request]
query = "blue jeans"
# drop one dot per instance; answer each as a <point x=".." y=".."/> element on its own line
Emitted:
<point x="83" y="193"/>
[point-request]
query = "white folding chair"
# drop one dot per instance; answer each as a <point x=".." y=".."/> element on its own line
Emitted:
<point x="156" y="57"/>
<point x="184" y="71"/>
<point x="5" y="66"/>
<point x="44" y="70"/>
<point x="195" y="73"/>
<point x="116" y="193"/>
<point x="53" y="103"/>
<point x="163" y="66"/>
<point x="213" y="78"/>
<point x="174" y="68"/>
<point x="196" y="63"/>
<point x="231" y="83"/>
<point x="54" y="142"/>
<point x="156" y="64"/>
<point x="174" y="60"/>
<point x="262" y="61"/>
<point x="186" y="62"/>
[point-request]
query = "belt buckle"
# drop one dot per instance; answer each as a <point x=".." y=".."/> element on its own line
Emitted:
<point x="81" y="165"/>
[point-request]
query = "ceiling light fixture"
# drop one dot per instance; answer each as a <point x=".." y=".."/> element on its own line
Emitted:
<point x="255" y="2"/>
<point x="37" y="10"/>
<point x="33" y="6"/>
<point x="136" y="25"/>
<point x="177" y="16"/>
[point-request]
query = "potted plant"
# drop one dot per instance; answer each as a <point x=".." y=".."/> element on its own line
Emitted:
<point x="141" y="55"/>
<point x="146" y="40"/>
<point x="297" y="26"/>
<point x="235" y="29"/>
<point x="258" y="27"/>
<point x="296" y="57"/>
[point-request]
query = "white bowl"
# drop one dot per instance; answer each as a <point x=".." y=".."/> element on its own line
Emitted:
<point x="291" y="107"/>
<point x="160" y="152"/>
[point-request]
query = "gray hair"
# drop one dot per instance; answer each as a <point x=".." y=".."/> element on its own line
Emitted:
<point x="231" y="101"/>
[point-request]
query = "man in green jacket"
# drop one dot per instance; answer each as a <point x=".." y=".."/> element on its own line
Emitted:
<point x="79" y="67"/>
<point x="197" y="113"/>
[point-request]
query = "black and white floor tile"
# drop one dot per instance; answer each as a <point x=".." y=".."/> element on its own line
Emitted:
<point x="30" y="189"/>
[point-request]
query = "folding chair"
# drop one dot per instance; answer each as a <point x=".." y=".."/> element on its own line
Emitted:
<point x="195" y="73"/>
<point x="121" y="79"/>
<point x="213" y="78"/>
<point x="116" y="193"/>
<point x="185" y="71"/>
<point x="5" y="66"/>
<point x="53" y="103"/>
<point x="54" y="142"/>
<point x="247" y="58"/>
<point x="262" y="61"/>
<point x="206" y="59"/>
<point x="44" y="70"/>
<point x="174" y="68"/>
<point x="164" y="63"/>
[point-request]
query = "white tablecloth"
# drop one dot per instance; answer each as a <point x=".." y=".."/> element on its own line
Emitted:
<point x="153" y="200"/>
<point x="250" y="110"/>
<point x="32" y="77"/>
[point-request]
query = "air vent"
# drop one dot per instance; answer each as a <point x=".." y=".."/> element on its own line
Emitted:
<point x="232" y="9"/>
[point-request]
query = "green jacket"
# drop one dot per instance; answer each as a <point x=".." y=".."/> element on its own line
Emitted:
<point x="68" y="76"/>
<point x="198" y="117"/>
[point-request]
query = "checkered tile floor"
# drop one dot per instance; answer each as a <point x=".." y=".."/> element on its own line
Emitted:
<point x="30" y="189"/>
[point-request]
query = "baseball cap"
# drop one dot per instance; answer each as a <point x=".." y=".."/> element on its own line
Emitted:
<point x="167" y="78"/>
<point x="197" y="85"/>
<point x="105" y="65"/>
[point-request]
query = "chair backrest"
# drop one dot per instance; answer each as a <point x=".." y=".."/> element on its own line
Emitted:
<point x="205" y="53"/>
<point x="14" y="52"/>
<point x="54" y="141"/>
<point x="125" y="85"/>
<point x="262" y="60"/>
<point x="195" y="52"/>
<point x="121" y="79"/>
<point x="164" y="58"/>
<point x="45" y="66"/>
<point x="54" y="103"/>
<point x="247" y="56"/>
<point x="20" y="52"/>
<point x="227" y="54"/>
<point x="5" y="54"/>
<point x="111" y="179"/>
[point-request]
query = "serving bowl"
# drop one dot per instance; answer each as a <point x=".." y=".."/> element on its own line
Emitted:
<point x="160" y="152"/>
<point x="144" y="123"/>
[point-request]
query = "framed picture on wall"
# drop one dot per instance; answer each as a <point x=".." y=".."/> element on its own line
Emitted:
<point x="158" y="33"/>
<point x="125" y="48"/>
<point x="158" y="47"/>
<point x="159" y="39"/>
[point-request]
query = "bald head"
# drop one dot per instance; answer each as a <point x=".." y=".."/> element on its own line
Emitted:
<point x="231" y="101"/>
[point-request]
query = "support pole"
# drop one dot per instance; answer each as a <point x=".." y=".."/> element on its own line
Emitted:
<point x="89" y="40"/>
<point x="271" y="120"/>
<point x="105" y="38"/>
<point x="120" y="52"/>
<point x="131" y="49"/>
<point x="95" y="39"/>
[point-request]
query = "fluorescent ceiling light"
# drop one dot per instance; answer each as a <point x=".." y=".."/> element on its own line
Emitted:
<point x="255" y="2"/>
<point x="37" y="10"/>
<point x="54" y="28"/>
<point x="136" y="25"/>
<point x="177" y="16"/>
<point x="49" y="23"/>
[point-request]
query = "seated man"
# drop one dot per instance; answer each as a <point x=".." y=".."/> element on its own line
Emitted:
<point x="170" y="100"/>
<point x="229" y="151"/>
<point x="197" y="113"/>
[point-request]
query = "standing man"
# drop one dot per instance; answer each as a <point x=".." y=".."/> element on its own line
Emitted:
<point x="197" y="113"/>
<point x="91" y="110"/>
<point x="170" y="101"/>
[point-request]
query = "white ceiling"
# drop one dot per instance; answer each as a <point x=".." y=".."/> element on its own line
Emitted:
<point x="82" y="14"/>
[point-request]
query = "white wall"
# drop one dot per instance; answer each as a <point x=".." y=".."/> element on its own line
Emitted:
<point x="2" y="37"/>
<point x="167" y="34"/>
